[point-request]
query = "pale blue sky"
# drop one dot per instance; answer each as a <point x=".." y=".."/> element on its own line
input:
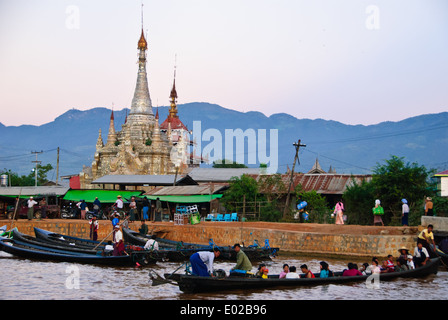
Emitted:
<point x="311" y="59"/>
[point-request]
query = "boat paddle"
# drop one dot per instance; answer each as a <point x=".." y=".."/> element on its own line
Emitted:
<point x="158" y="280"/>
<point x="110" y="233"/>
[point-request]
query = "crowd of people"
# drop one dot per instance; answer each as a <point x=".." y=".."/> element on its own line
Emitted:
<point x="202" y="263"/>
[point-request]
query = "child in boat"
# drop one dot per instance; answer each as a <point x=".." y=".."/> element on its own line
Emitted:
<point x="410" y="262"/>
<point x="292" y="274"/>
<point x="265" y="273"/>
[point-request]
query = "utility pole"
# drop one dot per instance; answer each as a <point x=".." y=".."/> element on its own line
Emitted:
<point x="36" y="162"/>
<point x="57" y="168"/>
<point x="296" y="159"/>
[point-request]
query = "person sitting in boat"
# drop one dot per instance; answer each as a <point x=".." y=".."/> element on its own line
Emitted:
<point x="364" y="268"/>
<point x="351" y="271"/>
<point x="307" y="273"/>
<point x="260" y="271"/>
<point x="390" y="263"/>
<point x="284" y="271"/>
<point x="401" y="267"/>
<point x="410" y="263"/>
<point x="421" y="255"/>
<point x="292" y="274"/>
<point x="243" y="264"/>
<point x="202" y="262"/>
<point x="374" y="267"/>
<point x="403" y="258"/>
<point x="324" y="271"/>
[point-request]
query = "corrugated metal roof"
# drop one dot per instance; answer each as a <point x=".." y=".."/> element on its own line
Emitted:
<point x="34" y="191"/>
<point x="441" y="174"/>
<point x="155" y="180"/>
<point x="186" y="190"/>
<point x="220" y="174"/>
<point x="321" y="183"/>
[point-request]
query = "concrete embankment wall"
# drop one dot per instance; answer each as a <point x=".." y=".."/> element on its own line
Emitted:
<point x="287" y="241"/>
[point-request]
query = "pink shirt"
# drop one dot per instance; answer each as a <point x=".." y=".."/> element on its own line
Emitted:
<point x="339" y="207"/>
<point x="351" y="272"/>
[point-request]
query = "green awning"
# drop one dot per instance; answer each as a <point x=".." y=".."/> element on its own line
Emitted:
<point x="105" y="196"/>
<point x="198" y="198"/>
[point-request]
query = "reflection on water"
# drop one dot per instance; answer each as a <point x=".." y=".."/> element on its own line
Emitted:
<point x="27" y="279"/>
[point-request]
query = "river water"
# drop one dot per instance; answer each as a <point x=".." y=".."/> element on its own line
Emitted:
<point x="23" y="279"/>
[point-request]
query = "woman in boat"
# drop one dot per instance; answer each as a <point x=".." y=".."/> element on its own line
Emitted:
<point x="308" y="273"/>
<point x="351" y="271"/>
<point x="324" y="271"/>
<point x="374" y="267"/>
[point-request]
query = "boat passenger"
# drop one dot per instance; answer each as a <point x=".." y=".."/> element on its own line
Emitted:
<point x="364" y="268"/>
<point x="243" y="264"/>
<point x="260" y="271"/>
<point x="292" y="274"/>
<point x="421" y="255"/>
<point x="374" y="267"/>
<point x="284" y="272"/>
<point x="324" y="271"/>
<point x="308" y="273"/>
<point x="426" y="238"/>
<point x="202" y="262"/>
<point x="403" y="258"/>
<point x="390" y="263"/>
<point x="351" y="271"/>
<point x="410" y="263"/>
<point x="151" y="244"/>
<point x="265" y="273"/>
<point x="401" y="267"/>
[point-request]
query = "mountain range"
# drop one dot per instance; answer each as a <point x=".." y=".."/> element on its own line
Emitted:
<point x="346" y="148"/>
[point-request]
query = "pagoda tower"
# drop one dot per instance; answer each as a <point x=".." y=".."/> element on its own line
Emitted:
<point x="141" y="147"/>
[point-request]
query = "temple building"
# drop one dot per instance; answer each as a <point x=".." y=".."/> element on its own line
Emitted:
<point x="142" y="147"/>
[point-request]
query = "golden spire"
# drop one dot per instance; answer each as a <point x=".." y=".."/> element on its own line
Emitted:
<point x="142" y="44"/>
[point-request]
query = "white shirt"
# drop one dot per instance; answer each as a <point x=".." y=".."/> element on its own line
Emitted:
<point x="417" y="253"/>
<point x="405" y="208"/>
<point x="119" y="203"/>
<point x="207" y="258"/>
<point x="149" y="245"/>
<point x="31" y="203"/>
<point x="118" y="236"/>
<point x="292" y="275"/>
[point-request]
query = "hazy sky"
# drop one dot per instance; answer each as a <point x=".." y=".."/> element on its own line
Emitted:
<point x="354" y="61"/>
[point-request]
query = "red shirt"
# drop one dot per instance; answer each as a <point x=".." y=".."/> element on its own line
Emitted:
<point x="351" y="273"/>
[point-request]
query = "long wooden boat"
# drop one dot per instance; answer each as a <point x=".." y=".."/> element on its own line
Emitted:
<point x="178" y="251"/>
<point x="57" y="238"/>
<point x="16" y="235"/>
<point x="28" y="251"/>
<point x="139" y="255"/>
<point x="192" y="284"/>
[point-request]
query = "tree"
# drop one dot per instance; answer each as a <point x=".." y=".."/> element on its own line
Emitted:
<point x="240" y="188"/>
<point x="396" y="180"/>
<point x="29" y="180"/>
<point x="317" y="206"/>
<point x="392" y="181"/>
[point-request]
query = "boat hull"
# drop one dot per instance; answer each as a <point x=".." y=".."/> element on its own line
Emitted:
<point x="192" y="284"/>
